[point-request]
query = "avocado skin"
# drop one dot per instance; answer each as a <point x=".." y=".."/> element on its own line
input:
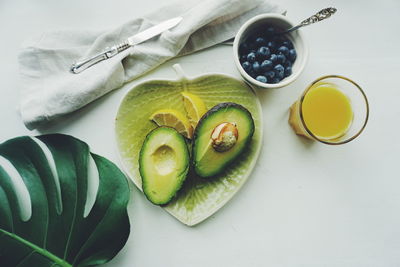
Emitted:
<point x="196" y="134"/>
<point x="183" y="173"/>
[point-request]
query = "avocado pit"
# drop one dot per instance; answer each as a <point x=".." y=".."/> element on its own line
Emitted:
<point x="224" y="136"/>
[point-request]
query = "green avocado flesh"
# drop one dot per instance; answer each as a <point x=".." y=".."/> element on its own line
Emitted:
<point x="163" y="164"/>
<point x="206" y="160"/>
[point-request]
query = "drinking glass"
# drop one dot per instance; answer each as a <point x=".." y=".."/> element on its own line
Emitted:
<point x="359" y="106"/>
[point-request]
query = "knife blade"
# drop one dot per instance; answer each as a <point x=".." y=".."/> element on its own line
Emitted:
<point x="131" y="41"/>
<point x="153" y="31"/>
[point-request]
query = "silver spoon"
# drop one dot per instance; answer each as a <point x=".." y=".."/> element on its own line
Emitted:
<point x="321" y="15"/>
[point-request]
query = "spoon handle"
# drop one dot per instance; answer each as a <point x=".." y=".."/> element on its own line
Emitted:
<point x="321" y="15"/>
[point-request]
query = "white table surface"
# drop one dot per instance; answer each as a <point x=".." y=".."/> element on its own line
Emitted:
<point x="306" y="204"/>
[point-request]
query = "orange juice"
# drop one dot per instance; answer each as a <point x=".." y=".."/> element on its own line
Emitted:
<point x="327" y="112"/>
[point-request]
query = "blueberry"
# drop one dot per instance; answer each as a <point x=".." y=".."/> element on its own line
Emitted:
<point x="260" y="41"/>
<point x="263" y="52"/>
<point x="269" y="74"/>
<point x="292" y="55"/>
<point x="252" y="74"/>
<point x="283" y="50"/>
<point x="281" y="58"/>
<point x="266" y="65"/>
<point x="279" y="68"/>
<point x="262" y="79"/>
<point x="246" y="66"/>
<point x="270" y="31"/>
<point x="279" y="75"/>
<point x="288" y="44"/>
<point x="243" y="58"/>
<point x="271" y="45"/>
<point x="279" y="71"/>
<point x="287" y="63"/>
<point x="251" y="57"/>
<point x="256" y="67"/>
<point x="275" y="80"/>
<point x="273" y="58"/>
<point x="288" y="71"/>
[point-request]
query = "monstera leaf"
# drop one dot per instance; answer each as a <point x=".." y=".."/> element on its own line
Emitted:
<point x="60" y="205"/>
<point x="199" y="198"/>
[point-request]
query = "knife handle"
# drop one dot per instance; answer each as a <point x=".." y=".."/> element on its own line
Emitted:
<point x="86" y="63"/>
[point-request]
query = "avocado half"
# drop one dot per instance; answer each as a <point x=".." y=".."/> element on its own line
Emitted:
<point x="209" y="161"/>
<point x="163" y="164"/>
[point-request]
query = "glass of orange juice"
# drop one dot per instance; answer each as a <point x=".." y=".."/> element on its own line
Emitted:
<point x="333" y="110"/>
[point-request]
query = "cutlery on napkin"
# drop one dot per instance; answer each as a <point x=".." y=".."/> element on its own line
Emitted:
<point x="131" y="41"/>
<point x="49" y="90"/>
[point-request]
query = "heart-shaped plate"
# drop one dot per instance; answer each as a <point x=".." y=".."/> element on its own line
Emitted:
<point x="199" y="198"/>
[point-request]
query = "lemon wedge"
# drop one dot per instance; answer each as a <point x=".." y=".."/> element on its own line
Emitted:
<point x="175" y="119"/>
<point x="194" y="106"/>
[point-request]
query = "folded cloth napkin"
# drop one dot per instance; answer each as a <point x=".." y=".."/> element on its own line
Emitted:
<point x="50" y="90"/>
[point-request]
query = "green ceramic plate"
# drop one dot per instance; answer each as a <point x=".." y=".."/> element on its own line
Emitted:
<point x="199" y="198"/>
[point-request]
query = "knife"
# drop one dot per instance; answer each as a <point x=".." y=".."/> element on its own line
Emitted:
<point x="133" y="40"/>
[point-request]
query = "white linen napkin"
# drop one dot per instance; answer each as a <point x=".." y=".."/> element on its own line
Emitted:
<point x="50" y="90"/>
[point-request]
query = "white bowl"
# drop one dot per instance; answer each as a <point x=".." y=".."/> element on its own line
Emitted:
<point x="296" y="37"/>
